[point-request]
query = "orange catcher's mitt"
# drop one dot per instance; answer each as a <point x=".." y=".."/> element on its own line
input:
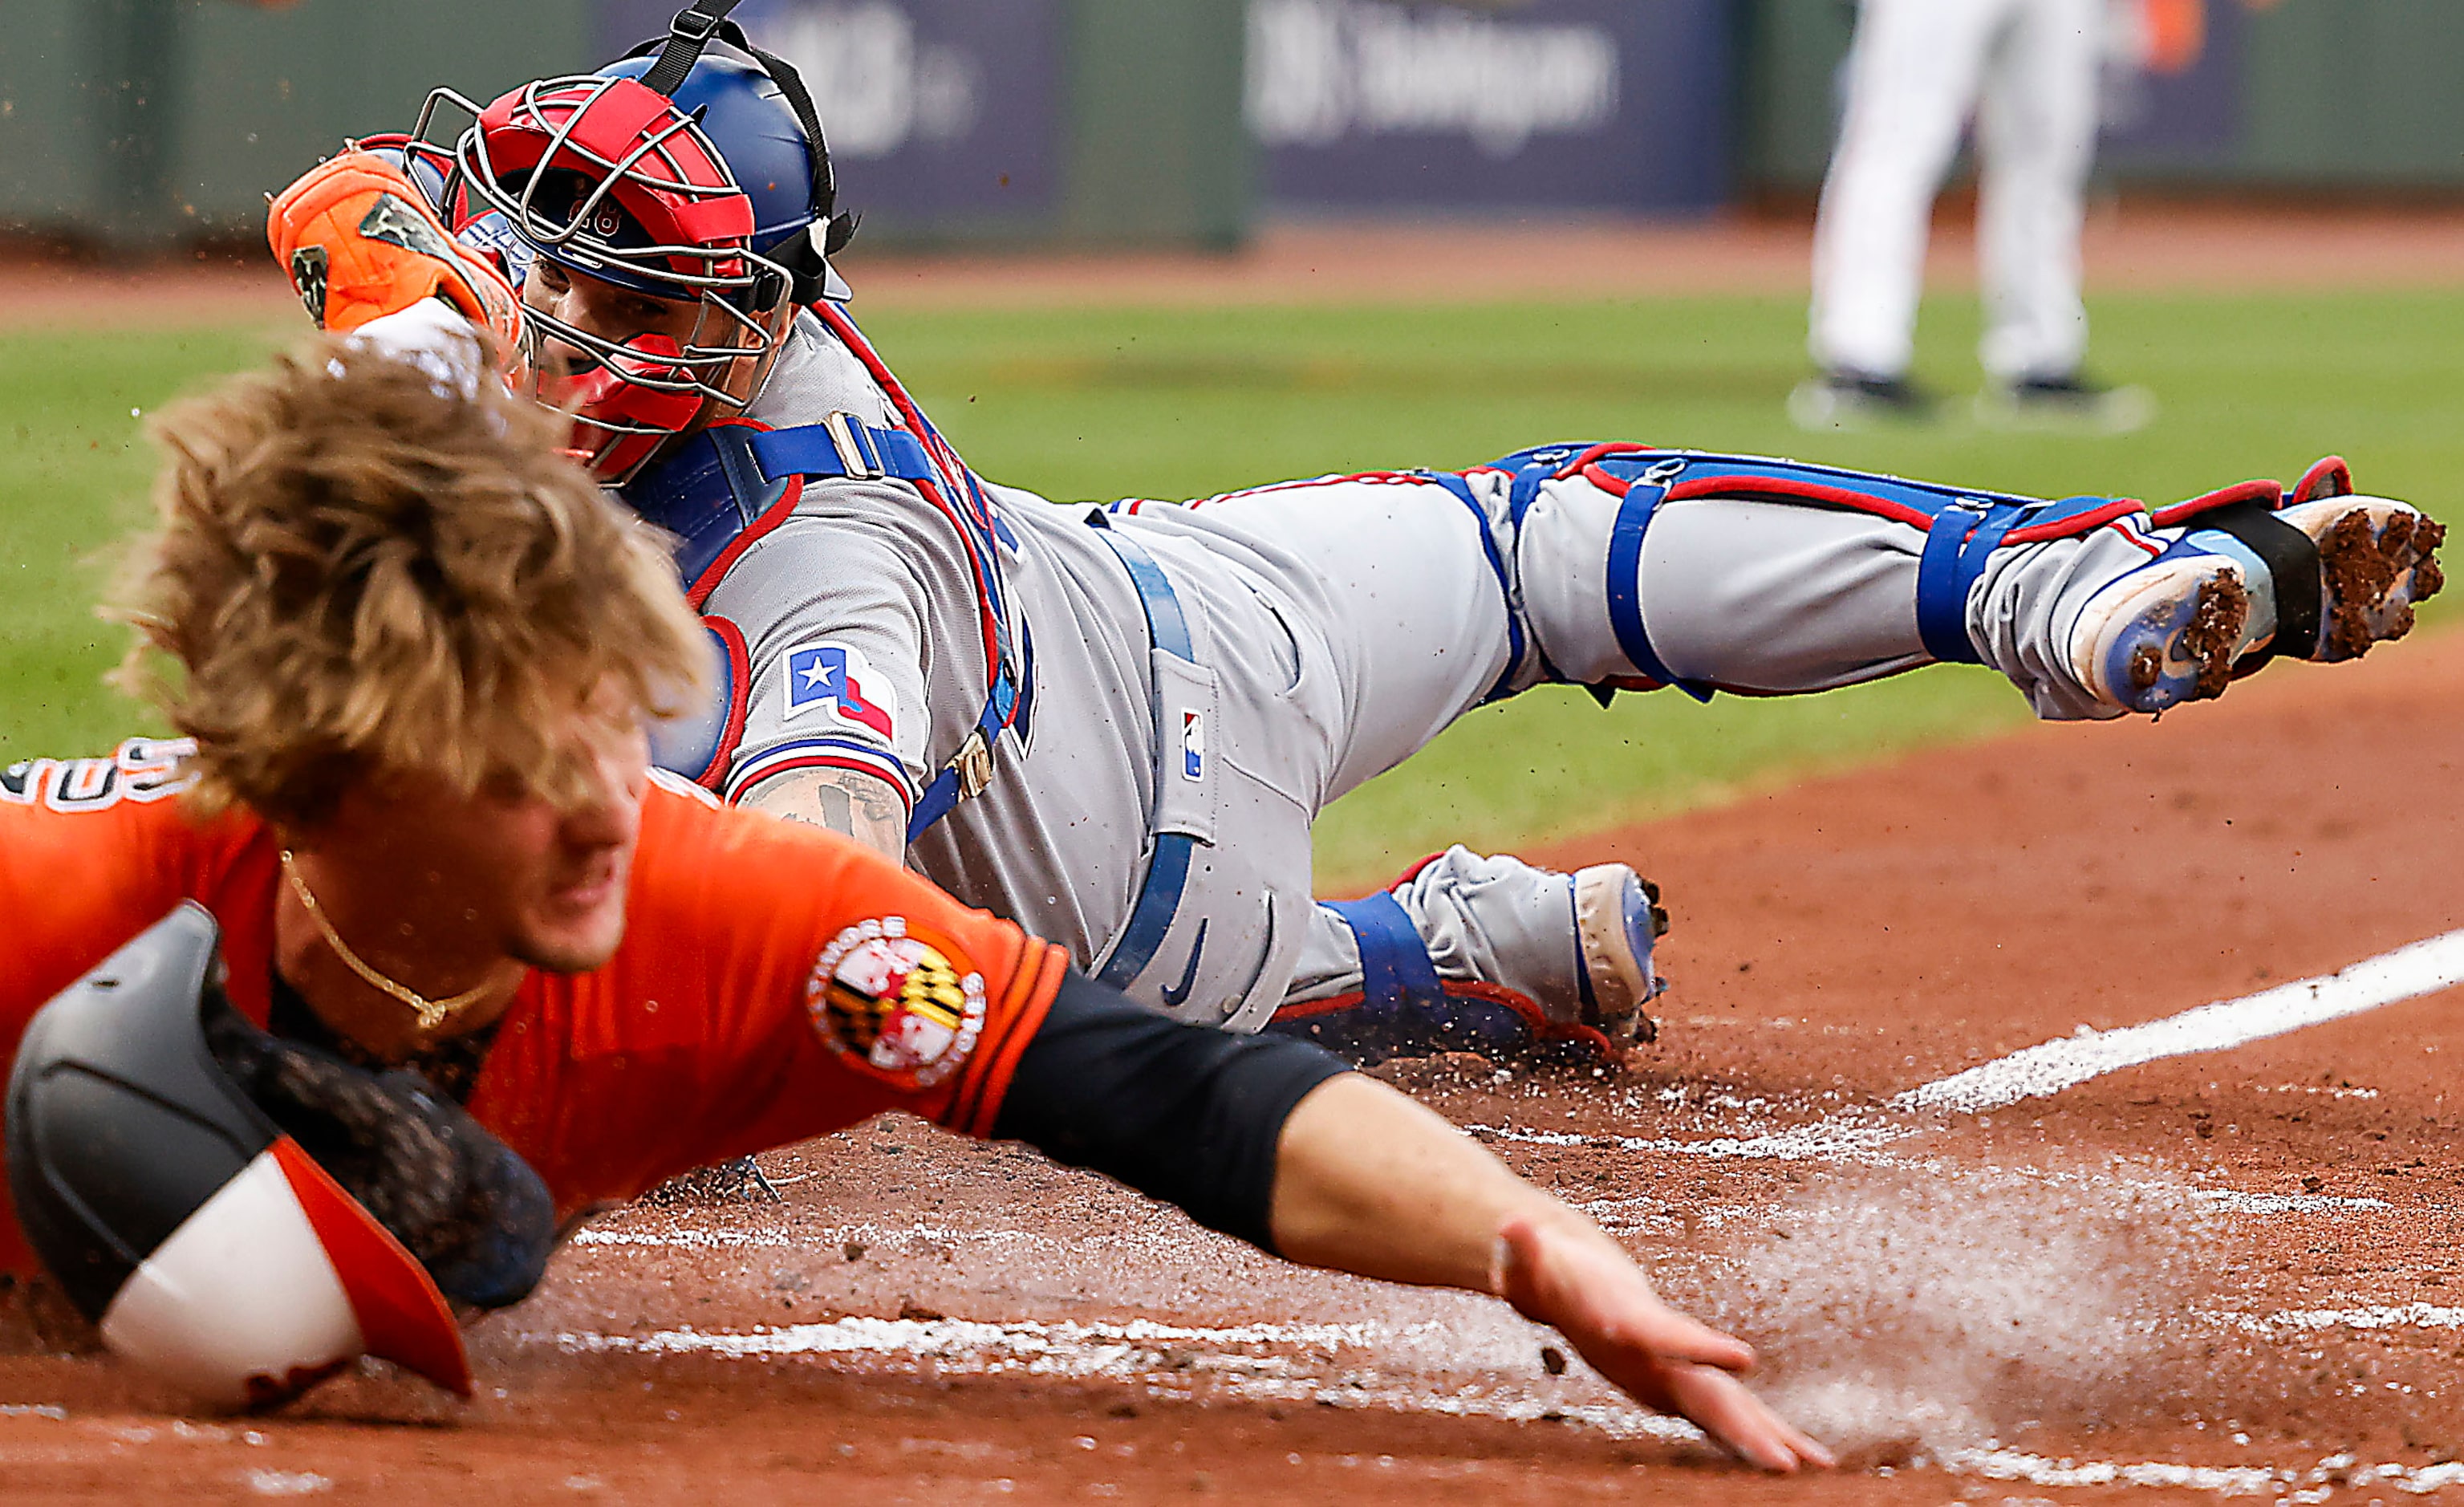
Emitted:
<point x="360" y="242"/>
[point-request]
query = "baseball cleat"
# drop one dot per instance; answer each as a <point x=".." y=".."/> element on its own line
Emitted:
<point x="1850" y="400"/>
<point x="1616" y="919"/>
<point x="2377" y="559"/>
<point x="2072" y="405"/>
<point x="2165" y="634"/>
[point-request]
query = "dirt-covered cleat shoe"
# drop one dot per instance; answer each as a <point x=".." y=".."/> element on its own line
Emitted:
<point x="2377" y="560"/>
<point x="1616" y="919"/>
<point x="2165" y="634"/>
<point x="1857" y="400"/>
<point x="2071" y="404"/>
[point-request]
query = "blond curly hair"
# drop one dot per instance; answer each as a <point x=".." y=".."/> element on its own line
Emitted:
<point x="360" y="568"/>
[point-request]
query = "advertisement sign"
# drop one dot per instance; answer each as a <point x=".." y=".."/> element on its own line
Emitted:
<point x="2176" y="101"/>
<point x="936" y="110"/>
<point x="1567" y="104"/>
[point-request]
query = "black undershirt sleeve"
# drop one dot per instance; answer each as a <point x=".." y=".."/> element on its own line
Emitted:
<point x="1186" y="1114"/>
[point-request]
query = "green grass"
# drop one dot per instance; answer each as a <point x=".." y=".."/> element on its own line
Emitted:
<point x="1176" y="403"/>
<point x="74" y="464"/>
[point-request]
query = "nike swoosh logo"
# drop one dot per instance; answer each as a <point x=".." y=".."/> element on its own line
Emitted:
<point x="1176" y="995"/>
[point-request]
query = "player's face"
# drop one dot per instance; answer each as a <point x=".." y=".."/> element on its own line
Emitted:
<point x="503" y="870"/>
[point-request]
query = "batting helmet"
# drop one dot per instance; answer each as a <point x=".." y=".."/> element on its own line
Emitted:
<point x="176" y="1212"/>
<point x="693" y="168"/>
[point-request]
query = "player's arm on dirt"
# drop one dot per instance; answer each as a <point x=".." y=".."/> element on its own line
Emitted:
<point x="1369" y="1181"/>
<point x="847" y="803"/>
<point x="1272" y="1140"/>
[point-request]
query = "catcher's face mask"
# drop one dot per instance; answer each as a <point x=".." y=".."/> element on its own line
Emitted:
<point x="691" y="171"/>
<point x="152" y="1172"/>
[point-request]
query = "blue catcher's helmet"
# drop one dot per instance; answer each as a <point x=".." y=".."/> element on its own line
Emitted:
<point x="740" y="107"/>
<point x="693" y="169"/>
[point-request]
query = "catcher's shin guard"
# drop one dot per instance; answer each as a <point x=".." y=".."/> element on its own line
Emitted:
<point x="360" y="240"/>
<point x="2253" y="571"/>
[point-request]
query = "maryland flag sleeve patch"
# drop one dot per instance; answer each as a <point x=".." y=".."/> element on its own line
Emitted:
<point x="896" y="1003"/>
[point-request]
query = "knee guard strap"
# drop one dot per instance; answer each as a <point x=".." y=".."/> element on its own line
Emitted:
<point x="1958" y="542"/>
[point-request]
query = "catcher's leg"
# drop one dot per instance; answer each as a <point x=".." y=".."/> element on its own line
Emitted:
<point x="1406" y="578"/>
<point x="1642" y="568"/>
<point x="1466" y="953"/>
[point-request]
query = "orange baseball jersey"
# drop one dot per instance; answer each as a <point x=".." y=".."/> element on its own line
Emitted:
<point x="775" y="982"/>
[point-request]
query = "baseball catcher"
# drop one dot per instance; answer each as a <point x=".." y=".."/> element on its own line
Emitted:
<point x="1117" y="723"/>
<point x="410" y="849"/>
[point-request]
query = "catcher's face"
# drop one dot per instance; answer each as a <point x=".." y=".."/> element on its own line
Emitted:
<point x="621" y="316"/>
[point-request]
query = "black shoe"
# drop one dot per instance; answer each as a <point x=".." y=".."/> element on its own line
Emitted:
<point x="2070" y="402"/>
<point x="1853" y="399"/>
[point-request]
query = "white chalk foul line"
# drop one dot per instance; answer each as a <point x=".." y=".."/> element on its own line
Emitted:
<point x="2393" y="1315"/>
<point x="2047" y="1069"/>
<point x="2039" y="1071"/>
<point x="1124" y="1351"/>
<point x="2339" y="1471"/>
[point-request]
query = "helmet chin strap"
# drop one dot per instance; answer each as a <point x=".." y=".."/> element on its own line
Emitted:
<point x="687" y="35"/>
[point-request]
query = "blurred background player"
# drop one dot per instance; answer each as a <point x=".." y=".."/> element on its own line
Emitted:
<point x="2027" y="74"/>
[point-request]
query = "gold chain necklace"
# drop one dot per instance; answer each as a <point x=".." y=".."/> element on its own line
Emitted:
<point x="432" y="1013"/>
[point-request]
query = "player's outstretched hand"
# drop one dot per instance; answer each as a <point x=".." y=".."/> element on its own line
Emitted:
<point x="1575" y="1279"/>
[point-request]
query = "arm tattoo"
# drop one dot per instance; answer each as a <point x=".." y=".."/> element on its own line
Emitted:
<point x="853" y="804"/>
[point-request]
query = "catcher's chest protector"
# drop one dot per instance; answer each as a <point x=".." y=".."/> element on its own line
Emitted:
<point x="737" y="480"/>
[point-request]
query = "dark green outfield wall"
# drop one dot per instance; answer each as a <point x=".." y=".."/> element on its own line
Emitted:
<point x="144" y="122"/>
<point x="139" y="121"/>
<point x="2339" y="94"/>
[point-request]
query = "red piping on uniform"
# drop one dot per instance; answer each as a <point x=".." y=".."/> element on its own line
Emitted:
<point x="2267" y="492"/>
<point x="2076" y="525"/>
<point x="853" y="339"/>
<point x="771" y="518"/>
<point x="2329" y="476"/>
<point x="740" y="698"/>
<point x="2122" y="526"/>
<point x="1747" y="487"/>
<point x="1615" y="447"/>
<point x="906" y="798"/>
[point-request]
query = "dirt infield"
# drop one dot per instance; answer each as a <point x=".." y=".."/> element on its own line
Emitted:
<point x="2056" y="1278"/>
<point x="2150" y="247"/>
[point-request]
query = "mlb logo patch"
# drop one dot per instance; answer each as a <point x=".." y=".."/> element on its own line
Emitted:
<point x="836" y="676"/>
<point x="1193" y="744"/>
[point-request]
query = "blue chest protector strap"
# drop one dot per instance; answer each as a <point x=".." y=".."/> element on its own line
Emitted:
<point x="728" y="479"/>
<point x="1167" y="875"/>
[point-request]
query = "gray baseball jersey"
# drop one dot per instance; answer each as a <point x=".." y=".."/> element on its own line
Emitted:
<point x="1335" y="626"/>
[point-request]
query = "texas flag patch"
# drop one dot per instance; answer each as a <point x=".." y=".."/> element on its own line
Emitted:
<point x="836" y="676"/>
